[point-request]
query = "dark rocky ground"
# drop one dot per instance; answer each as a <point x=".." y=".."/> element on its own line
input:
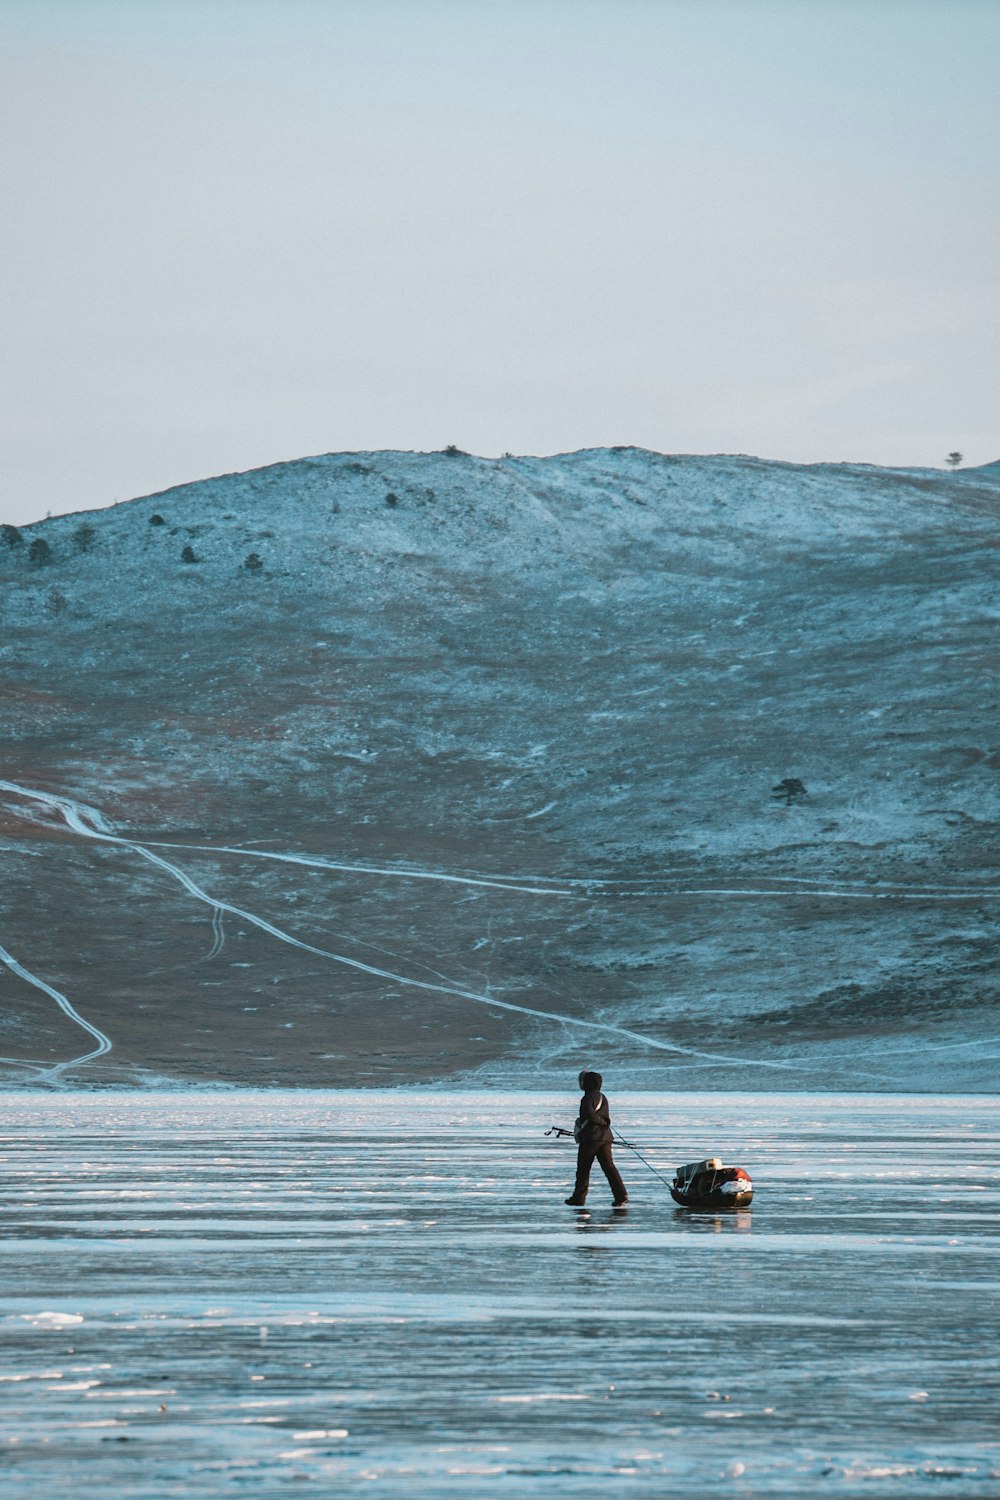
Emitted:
<point x="590" y="669"/>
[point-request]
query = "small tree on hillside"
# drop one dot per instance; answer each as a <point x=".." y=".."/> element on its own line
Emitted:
<point x="789" y="790"/>
<point x="188" y="555"/>
<point x="954" y="459"/>
<point x="11" y="535"/>
<point x="39" y="553"/>
<point x="83" y="537"/>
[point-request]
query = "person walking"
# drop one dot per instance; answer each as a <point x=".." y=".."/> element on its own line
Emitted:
<point x="593" y="1136"/>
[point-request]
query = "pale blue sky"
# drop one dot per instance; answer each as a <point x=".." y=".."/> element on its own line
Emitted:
<point x="241" y="232"/>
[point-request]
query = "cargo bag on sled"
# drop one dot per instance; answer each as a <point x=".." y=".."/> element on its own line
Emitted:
<point x="708" y="1184"/>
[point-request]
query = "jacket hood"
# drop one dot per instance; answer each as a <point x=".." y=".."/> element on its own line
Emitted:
<point x="590" y="1081"/>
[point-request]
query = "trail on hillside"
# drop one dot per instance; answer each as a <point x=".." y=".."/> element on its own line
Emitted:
<point x="218" y="937"/>
<point x="787" y="886"/>
<point x="533" y="885"/>
<point x="89" y="823"/>
<point x="51" y="1074"/>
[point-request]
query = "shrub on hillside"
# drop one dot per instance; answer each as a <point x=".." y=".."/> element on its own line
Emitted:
<point x="188" y="555"/>
<point x="157" y="520"/>
<point x="39" y="553"/>
<point x="392" y="500"/>
<point x="789" y="790"/>
<point x="83" y="537"/>
<point x="252" y="563"/>
<point x="11" y="535"/>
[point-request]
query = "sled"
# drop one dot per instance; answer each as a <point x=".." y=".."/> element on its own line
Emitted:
<point x="708" y="1184"/>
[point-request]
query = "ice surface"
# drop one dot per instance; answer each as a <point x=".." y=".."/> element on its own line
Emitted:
<point x="382" y="1292"/>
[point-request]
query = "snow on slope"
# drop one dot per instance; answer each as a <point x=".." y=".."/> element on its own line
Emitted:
<point x="587" y="671"/>
<point x="458" y="502"/>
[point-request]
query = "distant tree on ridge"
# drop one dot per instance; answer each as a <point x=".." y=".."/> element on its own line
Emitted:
<point x="954" y="459"/>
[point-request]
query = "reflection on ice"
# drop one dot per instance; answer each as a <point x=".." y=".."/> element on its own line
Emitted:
<point x="52" y="1319"/>
<point x="385" y="1291"/>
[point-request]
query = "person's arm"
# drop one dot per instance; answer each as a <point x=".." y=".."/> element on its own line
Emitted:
<point x="589" y="1108"/>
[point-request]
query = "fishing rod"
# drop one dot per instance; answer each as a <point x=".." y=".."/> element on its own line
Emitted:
<point x="557" y="1131"/>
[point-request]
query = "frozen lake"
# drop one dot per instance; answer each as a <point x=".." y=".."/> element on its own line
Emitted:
<point x="382" y="1293"/>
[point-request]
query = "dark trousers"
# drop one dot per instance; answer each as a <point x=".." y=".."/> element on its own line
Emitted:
<point x="585" y="1158"/>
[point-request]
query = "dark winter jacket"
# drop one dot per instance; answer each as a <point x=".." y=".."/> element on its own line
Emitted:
<point x="595" y="1120"/>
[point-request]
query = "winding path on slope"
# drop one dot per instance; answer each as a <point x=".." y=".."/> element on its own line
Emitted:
<point x="67" y="1007"/>
<point x="89" y="823"/>
<point x="784" y="886"/>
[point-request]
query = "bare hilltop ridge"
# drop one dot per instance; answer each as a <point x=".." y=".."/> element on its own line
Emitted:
<point x="398" y="768"/>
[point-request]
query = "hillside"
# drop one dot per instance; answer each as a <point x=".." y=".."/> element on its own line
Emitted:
<point x="470" y="740"/>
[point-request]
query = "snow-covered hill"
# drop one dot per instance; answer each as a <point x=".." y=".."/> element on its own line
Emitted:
<point x="469" y="764"/>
